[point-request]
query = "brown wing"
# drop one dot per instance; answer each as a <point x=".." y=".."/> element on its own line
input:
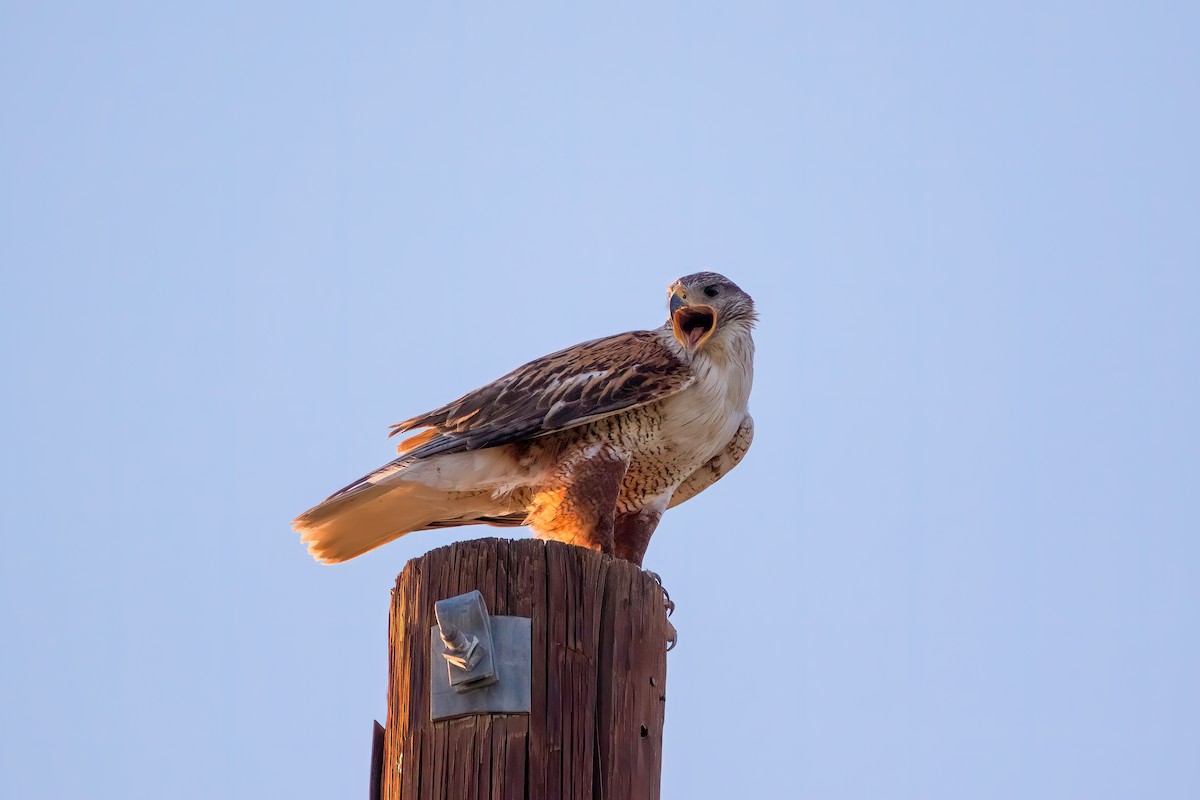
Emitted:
<point x="559" y="391"/>
<point x="716" y="467"/>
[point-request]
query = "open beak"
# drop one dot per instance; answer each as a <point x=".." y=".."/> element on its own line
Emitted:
<point x="693" y="324"/>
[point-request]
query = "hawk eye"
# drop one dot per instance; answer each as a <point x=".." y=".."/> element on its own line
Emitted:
<point x="710" y="291"/>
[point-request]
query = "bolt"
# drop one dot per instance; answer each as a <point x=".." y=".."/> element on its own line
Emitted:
<point x="453" y="638"/>
<point x="461" y="652"/>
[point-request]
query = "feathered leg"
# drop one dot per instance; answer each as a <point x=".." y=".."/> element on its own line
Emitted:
<point x="633" y="531"/>
<point x="578" y="504"/>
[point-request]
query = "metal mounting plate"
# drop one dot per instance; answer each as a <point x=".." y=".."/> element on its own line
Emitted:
<point x="465" y="618"/>
<point x="512" y="643"/>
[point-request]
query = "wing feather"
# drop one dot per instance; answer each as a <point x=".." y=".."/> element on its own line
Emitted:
<point x="562" y="390"/>
<point x="718" y="466"/>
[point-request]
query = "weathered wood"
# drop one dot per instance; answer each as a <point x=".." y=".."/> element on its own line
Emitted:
<point x="599" y="677"/>
<point x="376" y="761"/>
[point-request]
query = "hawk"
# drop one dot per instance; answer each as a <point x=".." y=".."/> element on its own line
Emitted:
<point x="589" y="445"/>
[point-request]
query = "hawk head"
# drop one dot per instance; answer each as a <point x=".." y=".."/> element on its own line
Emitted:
<point x="705" y="303"/>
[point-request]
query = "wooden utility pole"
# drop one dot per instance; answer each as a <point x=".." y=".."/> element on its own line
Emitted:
<point x="598" y="679"/>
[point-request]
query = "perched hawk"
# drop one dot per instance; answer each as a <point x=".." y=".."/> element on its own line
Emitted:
<point x="589" y="445"/>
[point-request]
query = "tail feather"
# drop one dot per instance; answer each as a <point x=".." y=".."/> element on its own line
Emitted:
<point x="409" y="495"/>
<point x="352" y="524"/>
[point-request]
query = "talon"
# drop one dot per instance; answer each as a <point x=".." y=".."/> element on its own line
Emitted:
<point x="658" y="579"/>
<point x="673" y="639"/>
<point x="667" y="601"/>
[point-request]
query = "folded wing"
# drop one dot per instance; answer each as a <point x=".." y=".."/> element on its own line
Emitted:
<point x="556" y="392"/>
<point x="716" y="467"/>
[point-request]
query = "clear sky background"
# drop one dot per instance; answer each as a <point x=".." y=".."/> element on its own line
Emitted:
<point x="239" y="239"/>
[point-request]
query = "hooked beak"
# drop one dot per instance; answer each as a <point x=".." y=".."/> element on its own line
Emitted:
<point x="693" y="324"/>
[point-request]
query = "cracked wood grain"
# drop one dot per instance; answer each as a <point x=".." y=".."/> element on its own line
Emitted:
<point x="599" y="677"/>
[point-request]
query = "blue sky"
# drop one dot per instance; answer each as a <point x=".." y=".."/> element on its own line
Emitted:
<point x="240" y="239"/>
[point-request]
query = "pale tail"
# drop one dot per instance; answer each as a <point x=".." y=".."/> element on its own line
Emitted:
<point x="397" y="499"/>
<point x="350" y="524"/>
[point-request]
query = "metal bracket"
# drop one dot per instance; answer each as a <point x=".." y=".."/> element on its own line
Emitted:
<point x="478" y="664"/>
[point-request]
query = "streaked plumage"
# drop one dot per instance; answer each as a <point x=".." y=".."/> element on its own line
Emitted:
<point x="589" y="445"/>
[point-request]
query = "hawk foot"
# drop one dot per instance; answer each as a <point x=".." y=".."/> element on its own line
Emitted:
<point x="667" y="601"/>
<point x="669" y="604"/>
